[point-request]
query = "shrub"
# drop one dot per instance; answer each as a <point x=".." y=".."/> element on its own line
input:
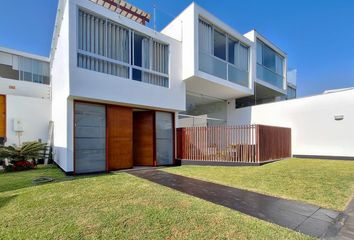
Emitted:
<point x="23" y="157"/>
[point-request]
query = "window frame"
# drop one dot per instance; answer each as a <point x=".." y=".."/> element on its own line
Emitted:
<point x="131" y="49"/>
<point x="227" y="37"/>
<point x="276" y="53"/>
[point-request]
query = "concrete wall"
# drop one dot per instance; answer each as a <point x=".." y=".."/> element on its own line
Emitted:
<point x="312" y="120"/>
<point x="34" y="113"/>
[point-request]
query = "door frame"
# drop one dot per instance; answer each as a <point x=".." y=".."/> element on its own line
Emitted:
<point x="5" y="110"/>
<point x="173" y="114"/>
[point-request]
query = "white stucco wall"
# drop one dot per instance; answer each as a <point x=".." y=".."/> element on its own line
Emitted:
<point x="34" y="113"/>
<point x="183" y="29"/>
<point x="312" y="120"/>
<point x="60" y="94"/>
<point x="24" y="88"/>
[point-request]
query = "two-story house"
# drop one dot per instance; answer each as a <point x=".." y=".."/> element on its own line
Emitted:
<point x="118" y="88"/>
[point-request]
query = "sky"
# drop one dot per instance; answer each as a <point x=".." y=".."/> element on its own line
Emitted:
<point x="317" y="35"/>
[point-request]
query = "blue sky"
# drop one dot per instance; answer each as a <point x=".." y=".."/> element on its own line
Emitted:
<point x="317" y="35"/>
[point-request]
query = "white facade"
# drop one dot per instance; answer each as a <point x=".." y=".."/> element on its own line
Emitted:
<point x="316" y="122"/>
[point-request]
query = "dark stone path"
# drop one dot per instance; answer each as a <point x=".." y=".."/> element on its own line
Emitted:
<point x="344" y="229"/>
<point x="306" y="218"/>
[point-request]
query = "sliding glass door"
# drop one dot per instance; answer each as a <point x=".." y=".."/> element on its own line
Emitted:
<point x="164" y="138"/>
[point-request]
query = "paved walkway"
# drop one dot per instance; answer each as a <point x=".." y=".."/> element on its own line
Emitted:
<point x="306" y="218"/>
<point x="344" y="229"/>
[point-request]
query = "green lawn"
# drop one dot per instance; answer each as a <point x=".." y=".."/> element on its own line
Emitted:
<point x="117" y="206"/>
<point x="325" y="183"/>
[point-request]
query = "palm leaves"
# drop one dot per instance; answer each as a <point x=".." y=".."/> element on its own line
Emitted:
<point x="28" y="151"/>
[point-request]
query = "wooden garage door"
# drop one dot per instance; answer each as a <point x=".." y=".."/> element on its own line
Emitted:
<point x="90" y="138"/>
<point x="119" y="137"/>
<point x="2" y="116"/>
<point x="144" y="138"/>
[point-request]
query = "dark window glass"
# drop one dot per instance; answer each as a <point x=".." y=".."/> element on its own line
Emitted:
<point x="269" y="58"/>
<point x="137" y="75"/>
<point x="219" y="45"/>
<point x="233" y="51"/>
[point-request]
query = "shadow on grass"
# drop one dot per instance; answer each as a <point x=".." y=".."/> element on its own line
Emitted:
<point x="5" y="200"/>
<point x="19" y="180"/>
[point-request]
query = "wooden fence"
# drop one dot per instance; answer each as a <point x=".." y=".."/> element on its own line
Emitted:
<point x="244" y="144"/>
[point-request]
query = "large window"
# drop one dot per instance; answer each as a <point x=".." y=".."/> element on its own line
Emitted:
<point x="23" y="68"/>
<point x="219" y="45"/>
<point x="222" y="55"/>
<point x="108" y="47"/>
<point x="270" y="65"/>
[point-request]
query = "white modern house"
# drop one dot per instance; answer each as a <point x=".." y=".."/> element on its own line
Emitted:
<point x="117" y="89"/>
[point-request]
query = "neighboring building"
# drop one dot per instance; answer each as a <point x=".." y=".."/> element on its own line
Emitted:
<point x="25" y="96"/>
<point x="117" y="87"/>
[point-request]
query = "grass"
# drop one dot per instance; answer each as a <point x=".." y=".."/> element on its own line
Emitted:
<point x="118" y="206"/>
<point x="326" y="183"/>
<point x="17" y="180"/>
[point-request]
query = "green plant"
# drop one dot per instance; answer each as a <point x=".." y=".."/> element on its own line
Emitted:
<point x="28" y="151"/>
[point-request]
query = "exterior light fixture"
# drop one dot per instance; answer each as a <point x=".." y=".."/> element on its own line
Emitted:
<point x="338" y="117"/>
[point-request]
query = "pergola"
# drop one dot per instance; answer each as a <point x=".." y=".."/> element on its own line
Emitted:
<point x="125" y="9"/>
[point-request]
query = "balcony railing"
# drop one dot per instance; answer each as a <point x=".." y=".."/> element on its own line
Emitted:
<point x="222" y="69"/>
<point x="269" y="76"/>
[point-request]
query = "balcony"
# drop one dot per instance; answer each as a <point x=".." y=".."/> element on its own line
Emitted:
<point x="222" y="69"/>
<point x="269" y="76"/>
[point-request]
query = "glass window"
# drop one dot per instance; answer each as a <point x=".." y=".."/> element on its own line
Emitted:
<point x="279" y="64"/>
<point x="269" y="58"/>
<point x="205" y="37"/>
<point x="25" y="68"/>
<point x="141" y="51"/>
<point x="259" y="52"/>
<point x="159" y="57"/>
<point x="243" y="57"/>
<point x="137" y="75"/>
<point x="233" y="51"/>
<point x="124" y="49"/>
<point x="219" y="45"/>
<point x="291" y="93"/>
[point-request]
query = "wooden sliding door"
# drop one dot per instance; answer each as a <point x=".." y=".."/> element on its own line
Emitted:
<point x="119" y="137"/>
<point x="144" y="122"/>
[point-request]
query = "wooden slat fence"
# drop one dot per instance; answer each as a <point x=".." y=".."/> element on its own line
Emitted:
<point x="274" y="142"/>
<point x="244" y="143"/>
